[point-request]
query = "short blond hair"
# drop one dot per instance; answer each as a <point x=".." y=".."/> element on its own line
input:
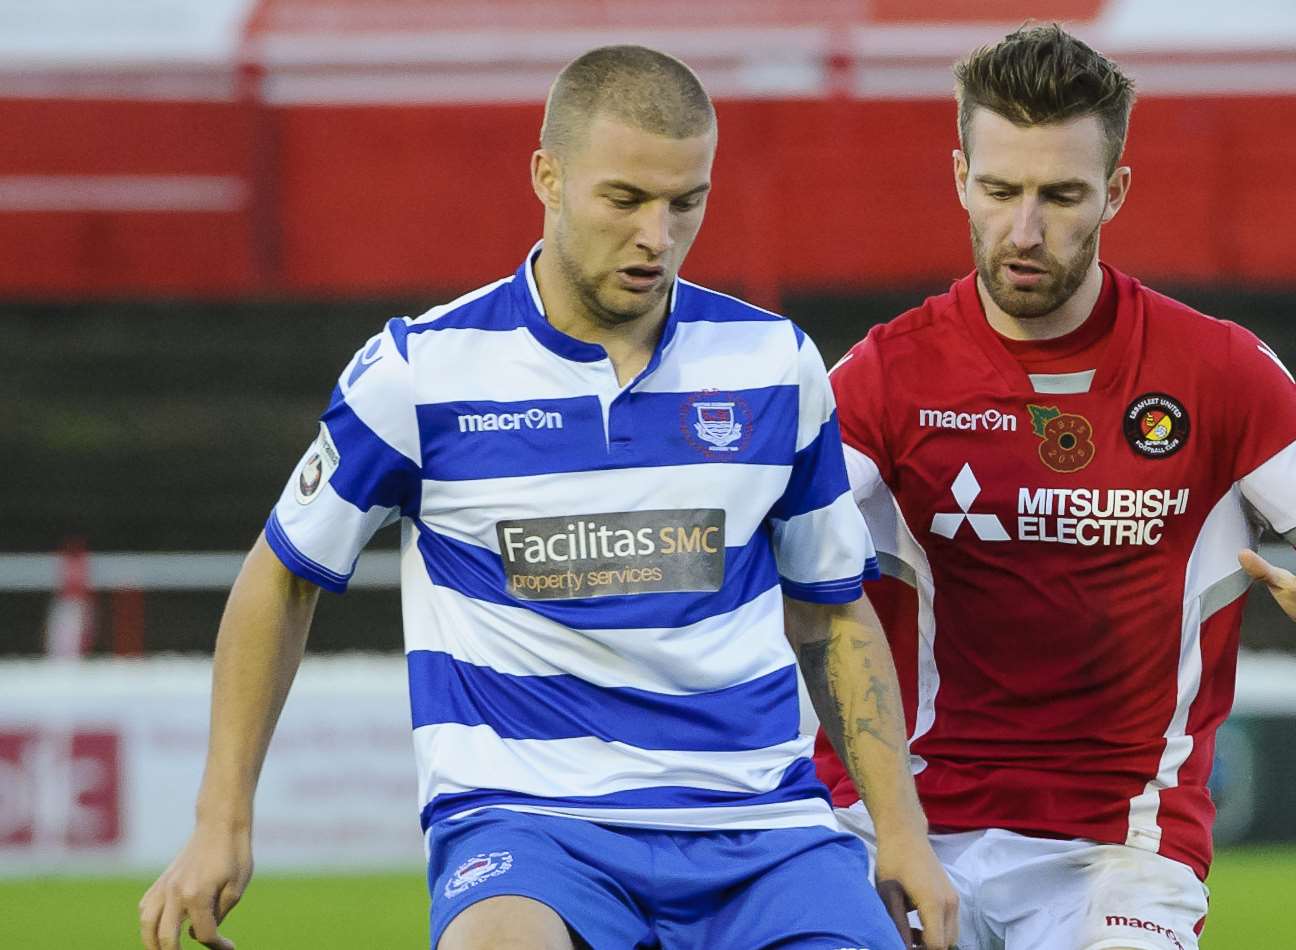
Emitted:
<point x="642" y="87"/>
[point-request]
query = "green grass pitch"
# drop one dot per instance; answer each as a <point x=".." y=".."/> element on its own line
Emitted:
<point x="1250" y="907"/>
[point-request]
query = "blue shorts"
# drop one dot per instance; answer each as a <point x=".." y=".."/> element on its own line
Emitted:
<point x="622" y="888"/>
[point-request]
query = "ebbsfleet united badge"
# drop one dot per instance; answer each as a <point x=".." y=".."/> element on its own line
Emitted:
<point x="1156" y="425"/>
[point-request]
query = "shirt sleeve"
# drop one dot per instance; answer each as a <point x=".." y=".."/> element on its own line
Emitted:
<point x="1266" y="413"/>
<point x="857" y="385"/>
<point x="361" y="472"/>
<point x="856" y="382"/>
<point x="821" y="545"/>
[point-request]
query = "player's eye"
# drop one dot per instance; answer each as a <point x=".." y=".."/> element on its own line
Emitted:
<point x="622" y="201"/>
<point x="687" y="204"/>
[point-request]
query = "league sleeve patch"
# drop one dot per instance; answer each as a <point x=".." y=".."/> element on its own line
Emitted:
<point x="321" y="461"/>
<point x="1156" y="425"/>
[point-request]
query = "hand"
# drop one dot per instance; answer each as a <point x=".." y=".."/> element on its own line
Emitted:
<point x="897" y="905"/>
<point x="203" y="884"/>
<point x="909" y="875"/>
<point x="1281" y="582"/>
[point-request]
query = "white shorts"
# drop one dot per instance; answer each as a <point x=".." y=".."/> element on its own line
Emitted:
<point x="1022" y="893"/>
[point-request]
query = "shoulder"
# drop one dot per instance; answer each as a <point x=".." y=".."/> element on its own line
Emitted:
<point x="769" y="344"/>
<point x="697" y="304"/>
<point x="486" y="308"/>
<point x="1221" y="345"/>
<point x="931" y="316"/>
<point x="1166" y="314"/>
<point x="381" y="364"/>
<point x="906" y="340"/>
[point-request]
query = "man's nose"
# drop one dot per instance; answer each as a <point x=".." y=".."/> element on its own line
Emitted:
<point x="654" y="228"/>
<point x="1028" y="225"/>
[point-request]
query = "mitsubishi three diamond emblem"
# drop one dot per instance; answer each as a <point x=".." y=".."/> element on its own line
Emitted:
<point x="965" y="489"/>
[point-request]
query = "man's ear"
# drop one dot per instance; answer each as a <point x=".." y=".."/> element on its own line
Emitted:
<point x="1118" y="186"/>
<point x="546" y="178"/>
<point x="960" y="176"/>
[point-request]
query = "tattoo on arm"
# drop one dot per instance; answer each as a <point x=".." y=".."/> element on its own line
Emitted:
<point x="871" y="711"/>
<point x="813" y="659"/>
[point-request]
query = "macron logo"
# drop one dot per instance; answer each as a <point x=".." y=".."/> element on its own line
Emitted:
<point x="991" y="420"/>
<point x="965" y="489"/>
<point x="510" y="421"/>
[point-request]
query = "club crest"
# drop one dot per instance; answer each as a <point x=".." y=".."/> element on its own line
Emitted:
<point x="716" y="423"/>
<point x="1156" y="425"/>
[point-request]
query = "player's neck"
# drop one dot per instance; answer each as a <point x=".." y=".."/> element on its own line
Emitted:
<point x="1066" y="318"/>
<point x="629" y="343"/>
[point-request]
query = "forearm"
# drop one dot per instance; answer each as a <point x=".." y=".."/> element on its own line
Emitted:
<point x="259" y="646"/>
<point x="847" y="667"/>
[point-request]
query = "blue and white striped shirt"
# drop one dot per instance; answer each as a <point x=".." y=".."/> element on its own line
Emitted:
<point x="591" y="572"/>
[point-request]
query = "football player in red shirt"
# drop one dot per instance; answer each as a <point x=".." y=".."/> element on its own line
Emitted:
<point x="1059" y="468"/>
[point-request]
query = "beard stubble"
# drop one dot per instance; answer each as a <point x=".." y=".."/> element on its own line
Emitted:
<point x="1064" y="277"/>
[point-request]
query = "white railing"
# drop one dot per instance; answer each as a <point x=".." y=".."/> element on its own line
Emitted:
<point x="216" y="570"/>
<point x="166" y="570"/>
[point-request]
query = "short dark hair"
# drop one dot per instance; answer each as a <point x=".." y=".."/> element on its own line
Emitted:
<point x="1043" y="74"/>
<point x="639" y="86"/>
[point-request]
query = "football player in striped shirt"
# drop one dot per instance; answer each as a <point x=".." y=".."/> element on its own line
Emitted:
<point x="1059" y="467"/>
<point x="610" y="481"/>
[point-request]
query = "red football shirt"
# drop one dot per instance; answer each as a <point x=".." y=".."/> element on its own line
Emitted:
<point x="1062" y="592"/>
<point x="1078" y="351"/>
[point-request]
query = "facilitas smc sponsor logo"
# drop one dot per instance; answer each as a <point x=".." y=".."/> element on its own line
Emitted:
<point x="613" y="553"/>
<point x="584" y="540"/>
<point x="510" y="421"/>
<point x="988" y="420"/>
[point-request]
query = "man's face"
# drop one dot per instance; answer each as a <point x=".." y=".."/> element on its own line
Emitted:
<point x="623" y="208"/>
<point x="1036" y="198"/>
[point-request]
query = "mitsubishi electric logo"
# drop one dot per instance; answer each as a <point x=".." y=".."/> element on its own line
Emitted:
<point x="965" y="489"/>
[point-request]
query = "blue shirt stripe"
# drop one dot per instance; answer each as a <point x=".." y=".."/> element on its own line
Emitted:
<point x="751" y="715"/>
<point x="844" y="591"/>
<point x="370" y="472"/>
<point x="643" y="430"/>
<point x="797" y="784"/>
<point x="818" y="475"/>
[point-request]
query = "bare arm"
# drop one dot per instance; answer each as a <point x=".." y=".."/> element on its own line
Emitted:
<point x="848" y="671"/>
<point x="846" y="663"/>
<point x="258" y="649"/>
